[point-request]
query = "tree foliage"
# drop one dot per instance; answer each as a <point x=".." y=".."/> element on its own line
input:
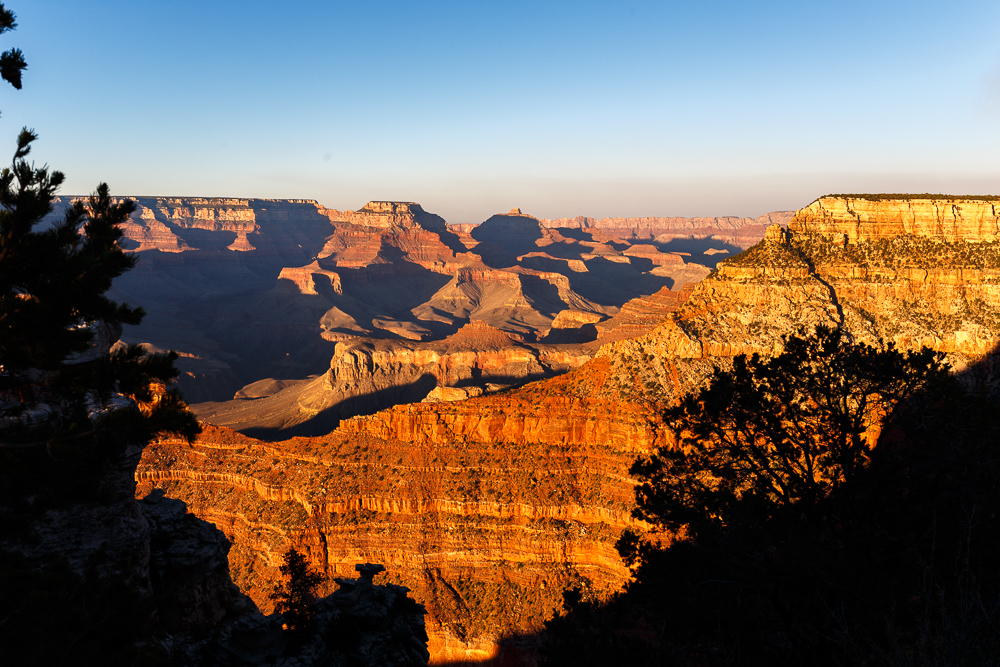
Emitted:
<point x="58" y="391"/>
<point x="68" y="411"/>
<point x="294" y="597"/>
<point x="12" y="62"/>
<point x="54" y="280"/>
<point x="53" y="285"/>
<point x="770" y="434"/>
<point x="834" y="505"/>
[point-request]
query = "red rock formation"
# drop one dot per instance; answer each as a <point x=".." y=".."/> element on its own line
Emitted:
<point x="252" y="288"/>
<point x="481" y="501"/>
<point x="366" y="375"/>
<point x="387" y="214"/>
<point x="486" y="535"/>
<point x="876" y="217"/>
<point x="640" y="316"/>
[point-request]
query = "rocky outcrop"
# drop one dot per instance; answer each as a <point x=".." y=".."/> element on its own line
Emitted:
<point x="110" y="534"/>
<point x="913" y="272"/>
<point x="250" y="289"/>
<point x="366" y="375"/>
<point x="384" y="214"/>
<point x="743" y="232"/>
<point x="359" y="624"/>
<point x="305" y="278"/>
<point x="869" y="218"/>
<point x="189" y="568"/>
<point x="639" y="316"/>
<point x="487" y="535"/>
<point x="360" y="247"/>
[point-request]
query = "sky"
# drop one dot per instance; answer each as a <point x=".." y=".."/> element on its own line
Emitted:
<point x="601" y="109"/>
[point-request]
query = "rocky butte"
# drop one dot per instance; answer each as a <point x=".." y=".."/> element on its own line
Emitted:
<point x="489" y="507"/>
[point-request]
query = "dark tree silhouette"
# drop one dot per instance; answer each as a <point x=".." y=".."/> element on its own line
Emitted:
<point x="293" y="599"/>
<point x="775" y="433"/>
<point x="12" y="62"/>
<point x="815" y="508"/>
<point x="57" y="388"/>
<point x="52" y="300"/>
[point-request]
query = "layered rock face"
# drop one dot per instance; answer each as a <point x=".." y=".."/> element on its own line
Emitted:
<point x="251" y="289"/>
<point x="485" y="534"/>
<point x="876" y="217"/>
<point x="913" y="272"/>
<point x="487" y="508"/>
<point x="387" y="214"/>
<point x="367" y="375"/>
<point x="189" y="568"/>
<point x="171" y="571"/>
<point x="478" y="502"/>
<point x="739" y="232"/>
<point x="259" y="290"/>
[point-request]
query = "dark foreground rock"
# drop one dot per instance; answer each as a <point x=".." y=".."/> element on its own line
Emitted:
<point x="106" y="579"/>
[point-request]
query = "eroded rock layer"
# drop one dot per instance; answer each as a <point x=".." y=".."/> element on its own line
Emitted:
<point x="739" y="232"/>
<point x="486" y="535"/>
<point x="366" y="375"/>
<point x="923" y="271"/>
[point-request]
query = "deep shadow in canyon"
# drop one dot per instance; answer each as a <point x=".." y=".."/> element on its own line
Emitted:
<point x="699" y="249"/>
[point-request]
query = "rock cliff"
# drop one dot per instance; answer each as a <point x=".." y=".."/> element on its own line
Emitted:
<point x="145" y="581"/>
<point x="486" y="535"/>
<point x="876" y="217"/>
<point x="740" y="232"/>
<point x="914" y="272"/>
<point x="486" y="508"/>
<point x="390" y="214"/>
<point x="366" y="375"/>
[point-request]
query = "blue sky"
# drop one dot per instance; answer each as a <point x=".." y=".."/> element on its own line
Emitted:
<point x="561" y="108"/>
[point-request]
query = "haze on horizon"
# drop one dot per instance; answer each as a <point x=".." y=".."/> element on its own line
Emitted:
<point x="562" y="109"/>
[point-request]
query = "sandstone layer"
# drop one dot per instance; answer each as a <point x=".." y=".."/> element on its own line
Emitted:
<point x="913" y="272"/>
<point x="876" y="217"/>
<point x="487" y="508"/>
<point x="701" y="236"/>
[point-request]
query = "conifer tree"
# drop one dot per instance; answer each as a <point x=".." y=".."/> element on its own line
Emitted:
<point x="293" y="600"/>
<point x="12" y="62"/>
<point x="773" y="434"/>
<point x="60" y="393"/>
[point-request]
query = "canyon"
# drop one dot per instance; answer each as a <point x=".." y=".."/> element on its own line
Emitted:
<point x="489" y="507"/>
<point x="271" y="302"/>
